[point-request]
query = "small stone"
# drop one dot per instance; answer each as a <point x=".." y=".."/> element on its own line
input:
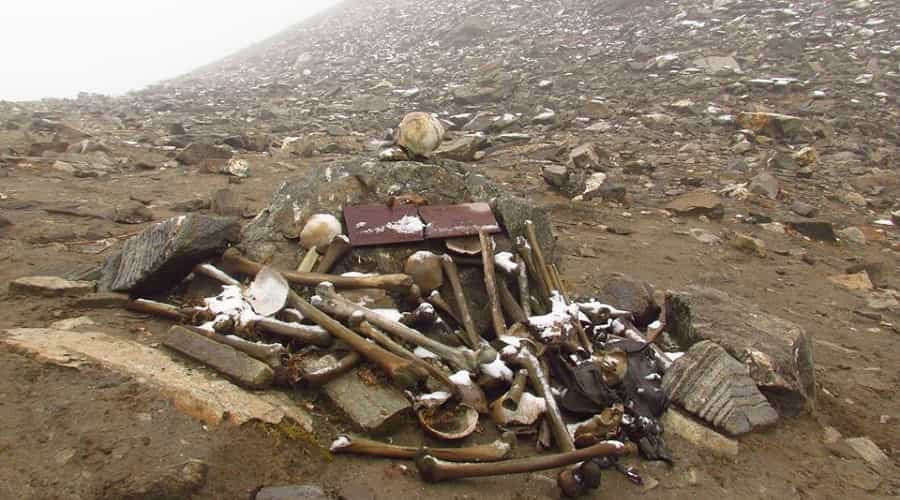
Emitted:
<point x="103" y="300"/>
<point x="816" y="230"/>
<point x="804" y="209"/>
<point x="764" y="184"/>
<point x="226" y="203"/>
<point x="464" y="148"/>
<point x="858" y="281"/>
<point x="853" y="234"/>
<point x="72" y="323"/>
<point x="196" y="152"/>
<point x="775" y="125"/>
<point x="854" y="199"/>
<point x="555" y="175"/>
<point x="633" y="295"/>
<point x="596" y="109"/>
<point x="375" y="409"/>
<point x="869" y="451"/>
<point x="704" y="236"/>
<point x="50" y="286"/>
<point x="697" y="203"/>
<point x="545" y="117"/>
<point x="225" y="359"/>
<point x="747" y="243"/>
<point x="697" y="434"/>
<point x="807" y="156"/>
<point x="587" y="156"/>
<point x="831" y="435"/>
<point x="237" y="168"/>
<point x="298" y="492"/>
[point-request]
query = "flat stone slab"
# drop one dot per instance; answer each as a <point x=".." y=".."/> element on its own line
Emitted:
<point x="697" y="434"/>
<point x="714" y="386"/>
<point x="161" y="256"/>
<point x="777" y="352"/>
<point x="50" y="286"/>
<point x="206" y="397"/>
<point x="234" y="364"/>
<point x="371" y="408"/>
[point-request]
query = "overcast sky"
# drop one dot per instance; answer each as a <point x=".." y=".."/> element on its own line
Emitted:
<point x="57" y="48"/>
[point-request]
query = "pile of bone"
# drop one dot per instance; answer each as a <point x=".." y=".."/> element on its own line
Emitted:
<point x="581" y="377"/>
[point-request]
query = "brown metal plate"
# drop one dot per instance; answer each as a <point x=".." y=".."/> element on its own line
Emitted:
<point x="383" y="225"/>
<point x="447" y="221"/>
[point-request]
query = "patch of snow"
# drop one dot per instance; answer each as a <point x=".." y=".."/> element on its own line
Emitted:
<point x="506" y="261"/>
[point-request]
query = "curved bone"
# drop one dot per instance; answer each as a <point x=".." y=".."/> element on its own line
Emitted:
<point x="433" y="469"/>
<point x="330" y="301"/>
<point x="325" y="375"/>
<point x="517" y="407"/>
<point x="498" y="450"/>
<point x="393" y="282"/>
<point x="215" y="273"/>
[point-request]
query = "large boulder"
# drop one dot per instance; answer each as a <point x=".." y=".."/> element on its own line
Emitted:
<point x="777" y="352"/>
<point x="161" y="256"/>
<point x="271" y="236"/>
<point x="710" y="383"/>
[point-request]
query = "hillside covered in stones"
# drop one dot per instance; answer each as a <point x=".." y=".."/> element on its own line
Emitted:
<point x="746" y="145"/>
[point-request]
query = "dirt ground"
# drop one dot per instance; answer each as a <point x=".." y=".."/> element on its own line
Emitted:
<point x="70" y="434"/>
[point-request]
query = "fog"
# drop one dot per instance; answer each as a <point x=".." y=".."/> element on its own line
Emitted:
<point x="57" y="48"/>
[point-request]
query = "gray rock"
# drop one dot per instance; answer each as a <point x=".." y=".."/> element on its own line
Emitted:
<point x="461" y="149"/>
<point x="103" y="300"/>
<point x="480" y="123"/>
<point x="588" y="156"/>
<point x="374" y="409"/>
<point x="776" y="125"/>
<point x="631" y="294"/>
<point x="331" y="187"/>
<point x="50" y="286"/>
<point x="4" y="222"/>
<point x="294" y="492"/>
<point x="257" y="143"/>
<point x="869" y="451"/>
<point x="471" y="94"/>
<point x="714" y="386"/>
<point x="597" y="110"/>
<point x="696" y="203"/>
<point x="777" y="352"/>
<point x="555" y="175"/>
<point x="764" y="184"/>
<point x="853" y="234"/>
<point x="175" y="483"/>
<point x="234" y="364"/>
<point x="718" y="65"/>
<point x="226" y="203"/>
<point x="196" y="152"/>
<point x="804" y="209"/>
<point x="679" y="424"/>
<point x="163" y="255"/>
<point x="816" y="230"/>
<point x="878" y="271"/>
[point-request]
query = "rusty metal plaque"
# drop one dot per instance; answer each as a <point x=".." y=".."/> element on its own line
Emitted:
<point x="383" y="225"/>
<point x="448" y="221"/>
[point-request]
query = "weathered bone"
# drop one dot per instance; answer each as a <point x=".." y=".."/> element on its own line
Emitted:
<point x="472" y="338"/>
<point x="542" y="289"/>
<point x="438" y="301"/>
<point x="539" y="261"/>
<point x="422" y="315"/>
<point x="487" y="258"/>
<point x="498" y="450"/>
<point x="400" y="370"/>
<point x="307" y="334"/>
<point x="538" y="376"/>
<point x="160" y="309"/>
<point x="325" y="375"/>
<point x="270" y="354"/>
<point x="393" y="282"/>
<point x="510" y="409"/>
<point x="524" y="290"/>
<point x="460" y="357"/>
<point x="434" y="470"/>
<point x="215" y="273"/>
<point x="336" y="251"/>
<point x="308" y="262"/>
<point x="510" y="306"/>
